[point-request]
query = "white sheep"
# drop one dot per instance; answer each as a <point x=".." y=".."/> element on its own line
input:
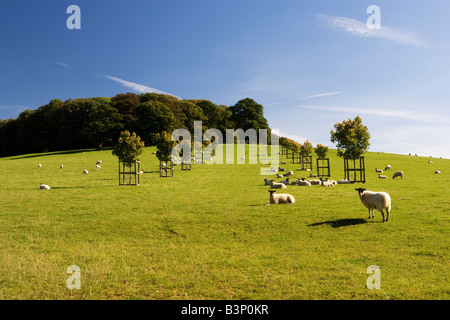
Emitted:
<point x="242" y="158"/>
<point x="344" y="181"/>
<point x="314" y="182"/>
<point x="275" y="185"/>
<point x="39" y="165"/>
<point x="279" y="176"/>
<point x="289" y="173"/>
<point x="375" y="200"/>
<point x="437" y="172"/>
<point x="303" y="182"/>
<point x="280" y="198"/>
<point x="61" y="166"/>
<point x="326" y="183"/>
<point x="382" y="176"/>
<point x="286" y="182"/>
<point x="99" y="162"/>
<point x="98" y="167"/>
<point x="398" y="174"/>
<point x="43" y="186"/>
<point x="388" y="167"/>
<point x="378" y="170"/>
<point x="85" y="172"/>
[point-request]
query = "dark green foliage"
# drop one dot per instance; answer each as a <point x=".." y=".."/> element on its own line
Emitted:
<point x="129" y="148"/>
<point x="164" y="144"/>
<point x="321" y="151"/>
<point x="352" y="138"/>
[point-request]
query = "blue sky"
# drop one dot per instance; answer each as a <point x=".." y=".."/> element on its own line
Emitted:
<point x="309" y="63"/>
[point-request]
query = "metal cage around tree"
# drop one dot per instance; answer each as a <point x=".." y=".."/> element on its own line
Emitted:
<point x="307" y="163"/>
<point x="323" y="167"/>
<point x="166" y="169"/>
<point x="357" y="172"/>
<point x="129" y="175"/>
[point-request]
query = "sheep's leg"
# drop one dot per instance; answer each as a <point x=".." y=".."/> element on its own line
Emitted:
<point x="382" y="214"/>
<point x="369" y="214"/>
<point x="387" y="215"/>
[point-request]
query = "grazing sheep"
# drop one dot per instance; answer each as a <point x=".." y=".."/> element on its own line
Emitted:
<point x="43" y="186"/>
<point x="85" y="172"/>
<point x="289" y="173"/>
<point x="375" y="200"/>
<point x="430" y="162"/>
<point x="61" y="166"/>
<point x="388" y="167"/>
<point x="437" y="172"/>
<point x="303" y="182"/>
<point x="280" y="198"/>
<point x="99" y="162"/>
<point x="381" y="176"/>
<point x="398" y="174"/>
<point x="98" y="167"/>
<point x="39" y="165"/>
<point x="378" y="170"/>
<point x="344" y="181"/>
<point x="275" y="185"/>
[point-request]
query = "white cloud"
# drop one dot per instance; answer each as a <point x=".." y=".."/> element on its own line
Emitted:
<point x="410" y="115"/>
<point x="360" y="29"/>
<point x="64" y="64"/>
<point x="325" y="94"/>
<point x="135" y="86"/>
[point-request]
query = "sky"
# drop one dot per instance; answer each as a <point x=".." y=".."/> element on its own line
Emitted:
<point x="311" y="64"/>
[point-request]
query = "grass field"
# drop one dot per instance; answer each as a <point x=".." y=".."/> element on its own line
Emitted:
<point x="208" y="233"/>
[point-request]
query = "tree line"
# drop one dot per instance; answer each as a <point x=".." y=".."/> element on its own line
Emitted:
<point x="97" y="122"/>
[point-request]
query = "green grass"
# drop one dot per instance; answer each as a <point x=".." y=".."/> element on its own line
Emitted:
<point x="208" y="233"/>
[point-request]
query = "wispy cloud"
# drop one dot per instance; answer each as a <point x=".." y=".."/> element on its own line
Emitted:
<point x="360" y="29"/>
<point x="64" y="64"/>
<point x="409" y="115"/>
<point x="135" y="86"/>
<point x="325" y="94"/>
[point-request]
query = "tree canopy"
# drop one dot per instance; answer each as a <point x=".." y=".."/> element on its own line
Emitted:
<point x="351" y="138"/>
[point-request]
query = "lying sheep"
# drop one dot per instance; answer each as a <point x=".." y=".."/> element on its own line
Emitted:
<point x="375" y="200"/>
<point x="281" y="169"/>
<point x="43" y="186"/>
<point x="378" y="170"/>
<point x="275" y="185"/>
<point x="388" y="167"/>
<point x="398" y="174"/>
<point x="303" y="182"/>
<point x="289" y="173"/>
<point x="314" y="182"/>
<point x="85" y="172"/>
<point x="344" y="181"/>
<point x="279" y="176"/>
<point x="430" y="162"/>
<point x="99" y="162"/>
<point x="437" y="172"/>
<point x="267" y="182"/>
<point x="312" y="175"/>
<point x="98" y="167"/>
<point x="61" y="166"/>
<point x="326" y="183"/>
<point x="280" y="198"/>
<point x="286" y="182"/>
<point x="382" y="176"/>
<point x="39" y="165"/>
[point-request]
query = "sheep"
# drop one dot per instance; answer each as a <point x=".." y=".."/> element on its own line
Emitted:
<point x="314" y="182"/>
<point x="388" y="167"/>
<point x="286" y="182"/>
<point x="85" y="172"/>
<point x="326" y="183"/>
<point x="267" y="182"/>
<point x="344" y="181"/>
<point x="378" y="170"/>
<point x="283" y="162"/>
<point x="275" y="185"/>
<point x="281" y="169"/>
<point x="437" y="172"/>
<point x="99" y="162"/>
<point x="272" y="169"/>
<point x="242" y="158"/>
<point x="61" y="166"/>
<point x="312" y="175"/>
<point x="154" y="152"/>
<point x="381" y="176"/>
<point x="430" y="162"/>
<point x="279" y="176"/>
<point x="303" y="182"/>
<point x="39" y="165"/>
<point x="98" y="167"/>
<point x="398" y="174"/>
<point x="289" y="173"/>
<point x="375" y="200"/>
<point x="43" y="186"/>
<point x="280" y="198"/>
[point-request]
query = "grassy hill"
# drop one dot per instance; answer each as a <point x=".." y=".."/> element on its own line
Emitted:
<point x="208" y="233"/>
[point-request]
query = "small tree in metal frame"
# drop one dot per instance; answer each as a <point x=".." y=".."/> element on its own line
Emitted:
<point x="165" y="145"/>
<point x="128" y="150"/>
<point x="352" y="139"/>
<point x="323" y="170"/>
<point x="305" y="150"/>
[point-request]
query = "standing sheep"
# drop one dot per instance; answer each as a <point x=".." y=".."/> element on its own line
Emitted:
<point x="398" y="174"/>
<point x="85" y="172"/>
<point x="388" y="167"/>
<point x="375" y="200"/>
<point x="280" y="198"/>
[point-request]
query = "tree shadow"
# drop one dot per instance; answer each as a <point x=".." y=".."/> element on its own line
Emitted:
<point x="340" y="223"/>
<point x="51" y="153"/>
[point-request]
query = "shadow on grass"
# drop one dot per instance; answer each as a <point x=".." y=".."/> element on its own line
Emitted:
<point x="340" y="223"/>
